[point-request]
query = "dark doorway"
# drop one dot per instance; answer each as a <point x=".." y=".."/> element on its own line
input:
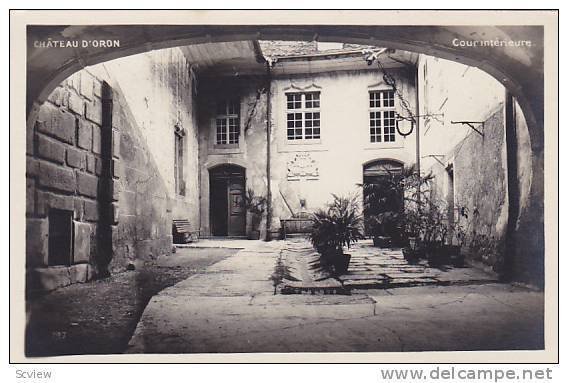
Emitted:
<point x="383" y="198"/>
<point x="227" y="212"/>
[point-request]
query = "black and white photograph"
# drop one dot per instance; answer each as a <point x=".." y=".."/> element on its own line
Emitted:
<point x="226" y="185"/>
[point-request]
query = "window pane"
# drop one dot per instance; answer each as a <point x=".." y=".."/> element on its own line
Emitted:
<point x="388" y="99"/>
<point x="312" y="100"/>
<point x="221" y="131"/>
<point x="234" y="130"/>
<point x="374" y="98"/>
<point x="294" y="100"/>
<point x="317" y="132"/>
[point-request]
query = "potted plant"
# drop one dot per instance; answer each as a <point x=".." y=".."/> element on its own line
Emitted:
<point x="336" y="227"/>
<point x="383" y="201"/>
<point x="255" y="207"/>
<point x="460" y="230"/>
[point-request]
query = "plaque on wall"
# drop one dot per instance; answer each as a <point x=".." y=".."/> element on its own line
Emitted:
<point x="302" y="166"/>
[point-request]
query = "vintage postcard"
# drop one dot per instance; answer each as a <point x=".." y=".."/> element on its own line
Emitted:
<point x="284" y="186"/>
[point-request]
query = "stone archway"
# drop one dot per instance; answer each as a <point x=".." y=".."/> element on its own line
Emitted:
<point x="520" y="70"/>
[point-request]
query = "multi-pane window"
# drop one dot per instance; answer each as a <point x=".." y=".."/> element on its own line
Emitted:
<point x="228" y="125"/>
<point x="303" y="116"/>
<point x="382" y="116"/>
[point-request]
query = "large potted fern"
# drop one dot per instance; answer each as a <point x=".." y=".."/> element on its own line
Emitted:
<point x="255" y="207"/>
<point x="337" y="226"/>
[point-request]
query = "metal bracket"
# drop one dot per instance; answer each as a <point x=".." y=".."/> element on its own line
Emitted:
<point x="435" y="156"/>
<point x="470" y="124"/>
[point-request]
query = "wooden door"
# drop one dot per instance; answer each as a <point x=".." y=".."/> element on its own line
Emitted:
<point x="236" y="212"/>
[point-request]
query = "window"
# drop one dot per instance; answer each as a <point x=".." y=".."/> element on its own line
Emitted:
<point x="178" y="160"/>
<point x="382" y="114"/>
<point x="303" y="116"/>
<point x="228" y="127"/>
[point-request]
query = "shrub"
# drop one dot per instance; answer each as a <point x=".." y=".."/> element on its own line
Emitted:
<point x="337" y="226"/>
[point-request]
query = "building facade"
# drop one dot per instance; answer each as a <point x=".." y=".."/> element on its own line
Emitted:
<point x="123" y="148"/>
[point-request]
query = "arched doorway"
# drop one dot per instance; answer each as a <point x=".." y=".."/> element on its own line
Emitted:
<point x="226" y="207"/>
<point x="382" y="196"/>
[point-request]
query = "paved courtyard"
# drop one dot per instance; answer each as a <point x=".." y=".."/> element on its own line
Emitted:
<point x="370" y="268"/>
<point x="235" y="306"/>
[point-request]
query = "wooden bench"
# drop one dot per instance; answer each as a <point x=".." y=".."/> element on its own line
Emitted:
<point x="182" y="233"/>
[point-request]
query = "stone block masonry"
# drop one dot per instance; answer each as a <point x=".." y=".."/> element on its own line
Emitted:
<point x="100" y="165"/>
<point x="63" y="150"/>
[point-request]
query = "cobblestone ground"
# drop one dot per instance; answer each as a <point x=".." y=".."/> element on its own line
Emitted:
<point x="234" y="307"/>
<point x="99" y="317"/>
<point x="370" y="268"/>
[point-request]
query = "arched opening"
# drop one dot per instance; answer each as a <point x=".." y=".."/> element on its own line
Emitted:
<point x="226" y="201"/>
<point x="382" y="198"/>
<point x="522" y="80"/>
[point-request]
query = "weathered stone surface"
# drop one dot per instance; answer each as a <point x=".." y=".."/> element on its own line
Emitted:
<point x="116" y="190"/>
<point x="87" y="184"/>
<point x="57" y="96"/>
<point x="115" y="212"/>
<point x="56" y="123"/>
<point x="30" y="196"/>
<point x="76" y="158"/>
<point x="49" y="278"/>
<point x="81" y="242"/>
<point x="127" y="202"/>
<point x="115" y="143"/>
<point x="90" y="163"/>
<point x="56" y="177"/>
<point x="91" y="210"/>
<point x="98" y="166"/>
<point x="96" y="139"/>
<point x="30" y="145"/>
<point x="81" y="273"/>
<point x="37" y="231"/>
<point x="97" y="88"/>
<point x="76" y="103"/>
<point x="50" y="149"/>
<point x="93" y="111"/>
<point x="78" y="211"/>
<point x="85" y="135"/>
<point x="46" y="200"/>
<point x="87" y="85"/>
<point x="32" y="167"/>
<point x="116" y="168"/>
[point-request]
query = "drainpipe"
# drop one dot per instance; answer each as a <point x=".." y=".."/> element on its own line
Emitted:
<point x="417" y="127"/>
<point x="268" y="188"/>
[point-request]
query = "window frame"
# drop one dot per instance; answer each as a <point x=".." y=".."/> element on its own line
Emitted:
<point x="306" y="114"/>
<point x="381" y="109"/>
<point x="226" y="116"/>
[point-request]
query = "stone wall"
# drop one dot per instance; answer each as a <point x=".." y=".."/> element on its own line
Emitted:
<point x="480" y="186"/>
<point x="479" y="165"/>
<point x="103" y="150"/>
<point x="149" y="103"/>
<point x="64" y="169"/>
